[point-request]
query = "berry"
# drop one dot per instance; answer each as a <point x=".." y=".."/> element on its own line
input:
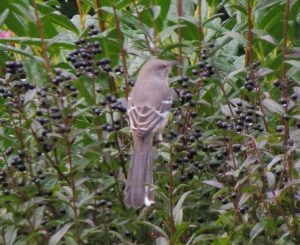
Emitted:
<point x="234" y="195"/>
<point x="182" y="178"/>
<point x="195" y="72"/>
<point x="279" y="128"/>
<point x="194" y="114"/>
<point x="201" y="64"/>
<point x="21" y="168"/>
<point x="9" y="151"/>
<point x="239" y="128"/>
<point x="220" y="156"/>
<point x="283" y="101"/>
<point x="285" y="117"/>
<point x="294" y="96"/>
<point x="190" y="174"/>
<point x="6" y="191"/>
<point x="277" y="83"/>
<point x="237" y="147"/>
<point x="188" y="97"/>
<point x="224" y="201"/>
<point x="97" y="111"/>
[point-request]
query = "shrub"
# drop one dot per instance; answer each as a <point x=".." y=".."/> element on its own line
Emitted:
<point x="227" y="171"/>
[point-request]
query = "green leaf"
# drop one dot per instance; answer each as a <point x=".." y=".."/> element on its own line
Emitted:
<point x="3" y="16"/>
<point x="158" y="229"/>
<point x="264" y="71"/>
<point x="256" y="230"/>
<point x="203" y="237"/>
<point x="54" y="239"/>
<point x="29" y="96"/>
<point x="10" y="235"/>
<point x="16" y="50"/>
<point x="266" y="4"/>
<point x="180" y="230"/>
<point x="15" y="24"/>
<point x="294" y="63"/>
<point x="236" y="36"/>
<point x="3" y="58"/>
<point x="178" y="217"/>
<point x="221" y="241"/>
<point x="84" y="89"/>
<point x="22" y="11"/>
<point x="62" y="21"/>
<point x="45" y="8"/>
<point x="156" y="11"/>
<point x="240" y="8"/>
<point x="214" y="183"/>
<point x="22" y="40"/>
<point x="275" y="160"/>
<point x="271" y="179"/>
<point x="190" y="29"/>
<point x="177" y="211"/>
<point x="37" y="217"/>
<point x="273" y="106"/>
<point x="161" y="241"/>
<point x="35" y="71"/>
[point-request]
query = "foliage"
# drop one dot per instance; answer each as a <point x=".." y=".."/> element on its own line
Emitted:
<point x="228" y="169"/>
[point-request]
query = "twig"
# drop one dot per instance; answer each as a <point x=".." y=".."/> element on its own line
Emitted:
<point x="222" y="87"/>
<point x="100" y="16"/>
<point x="155" y="36"/>
<point x="284" y="92"/>
<point x="284" y="49"/>
<point x="172" y="227"/>
<point x="249" y="49"/>
<point x="180" y="14"/>
<point x="81" y="15"/>
<point x="43" y="43"/>
<point x="73" y="187"/>
<point x="123" y="52"/>
<point x="200" y="26"/>
<point x="72" y="173"/>
<point x="287" y="157"/>
<point x="141" y="23"/>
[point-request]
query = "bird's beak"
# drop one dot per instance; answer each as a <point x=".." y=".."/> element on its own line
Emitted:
<point x="175" y="63"/>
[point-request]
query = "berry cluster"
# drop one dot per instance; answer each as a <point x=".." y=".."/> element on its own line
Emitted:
<point x="189" y="158"/>
<point x="244" y="118"/>
<point x="112" y="105"/>
<point x="252" y="78"/>
<point x="15" y="84"/>
<point x="15" y="68"/>
<point x="18" y="160"/>
<point x="85" y="57"/>
<point x="203" y="68"/>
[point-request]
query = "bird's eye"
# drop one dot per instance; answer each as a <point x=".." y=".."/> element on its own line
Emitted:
<point x="163" y="66"/>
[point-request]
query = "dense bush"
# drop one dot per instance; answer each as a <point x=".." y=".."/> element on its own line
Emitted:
<point x="227" y="171"/>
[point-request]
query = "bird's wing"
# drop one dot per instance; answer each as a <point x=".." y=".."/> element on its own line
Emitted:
<point x="145" y="118"/>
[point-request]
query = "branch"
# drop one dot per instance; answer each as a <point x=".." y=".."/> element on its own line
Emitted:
<point x="42" y="37"/>
<point x="145" y="34"/>
<point x="100" y="16"/>
<point x="123" y="52"/>
<point x="81" y="15"/>
<point x="249" y="49"/>
<point x="180" y="14"/>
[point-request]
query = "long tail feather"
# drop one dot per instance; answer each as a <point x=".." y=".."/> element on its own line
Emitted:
<point x="139" y="180"/>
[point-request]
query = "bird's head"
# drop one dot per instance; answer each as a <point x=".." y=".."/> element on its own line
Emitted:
<point x="157" y="67"/>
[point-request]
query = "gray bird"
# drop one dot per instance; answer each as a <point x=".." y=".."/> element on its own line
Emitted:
<point x="148" y="108"/>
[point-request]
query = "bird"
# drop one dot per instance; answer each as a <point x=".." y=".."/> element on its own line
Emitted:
<point x="148" y="107"/>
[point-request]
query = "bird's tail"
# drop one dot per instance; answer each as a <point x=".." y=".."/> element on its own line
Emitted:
<point x="138" y="185"/>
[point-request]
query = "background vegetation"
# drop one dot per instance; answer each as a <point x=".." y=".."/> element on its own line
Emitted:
<point x="228" y="170"/>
